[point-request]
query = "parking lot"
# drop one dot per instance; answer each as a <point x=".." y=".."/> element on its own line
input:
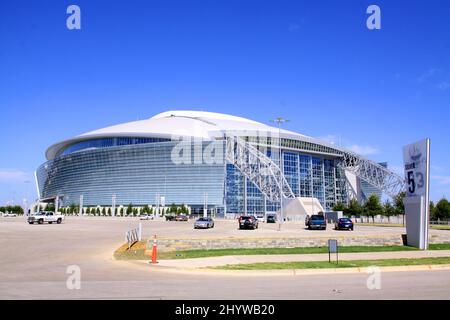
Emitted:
<point x="34" y="260"/>
<point x="223" y="228"/>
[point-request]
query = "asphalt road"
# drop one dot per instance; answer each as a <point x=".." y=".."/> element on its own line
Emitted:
<point x="34" y="260"/>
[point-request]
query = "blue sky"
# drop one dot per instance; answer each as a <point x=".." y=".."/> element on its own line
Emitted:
<point x="313" y="62"/>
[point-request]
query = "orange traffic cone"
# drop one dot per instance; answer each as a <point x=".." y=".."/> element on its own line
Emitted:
<point x="154" y="251"/>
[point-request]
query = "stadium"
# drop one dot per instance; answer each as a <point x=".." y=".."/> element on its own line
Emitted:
<point x="228" y="164"/>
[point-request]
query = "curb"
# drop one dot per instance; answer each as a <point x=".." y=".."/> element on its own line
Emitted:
<point x="288" y="272"/>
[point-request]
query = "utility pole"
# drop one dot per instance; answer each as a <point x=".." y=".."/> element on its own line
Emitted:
<point x="279" y="121"/>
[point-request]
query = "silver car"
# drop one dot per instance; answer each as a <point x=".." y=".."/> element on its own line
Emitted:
<point x="204" y="223"/>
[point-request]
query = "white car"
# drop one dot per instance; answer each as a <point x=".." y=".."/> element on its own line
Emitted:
<point x="147" y="217"/>
<point x="45" y="216"/>
<point x="9" y="215"/>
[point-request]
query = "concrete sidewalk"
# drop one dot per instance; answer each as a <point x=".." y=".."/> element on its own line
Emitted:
<point x="220" y="261"/>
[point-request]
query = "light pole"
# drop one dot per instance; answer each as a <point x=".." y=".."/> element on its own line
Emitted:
<point x="157" y="204"/>
<point x="113" y="213"/>
<point x="80" y="212"/>
<point x="205" y="205"/>
<point x="279" y="121"/>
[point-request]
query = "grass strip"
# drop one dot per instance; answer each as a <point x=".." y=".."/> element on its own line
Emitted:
<point x="342" y="264"/>
<point x="137" y="251"/>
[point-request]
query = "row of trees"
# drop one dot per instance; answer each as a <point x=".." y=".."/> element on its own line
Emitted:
<point x="440" y="211"/>
<point x="373" y="207"/>
<point x="130" y="210"/>
<point x="174" y="209"/>
<point x="12" y="209"/>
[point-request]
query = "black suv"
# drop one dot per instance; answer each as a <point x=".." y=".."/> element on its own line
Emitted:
<point x="248" y="222"/>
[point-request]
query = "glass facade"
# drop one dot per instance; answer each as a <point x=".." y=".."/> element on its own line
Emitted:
<point x="134" y="173"/>
<point x="106" y="143"/>
<point x="135" y="170"/>
<point x="306" y="175"/>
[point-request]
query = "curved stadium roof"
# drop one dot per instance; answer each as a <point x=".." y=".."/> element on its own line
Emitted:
<point x="174" y="124"/>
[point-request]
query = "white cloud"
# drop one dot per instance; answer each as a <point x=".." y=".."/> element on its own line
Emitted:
<point x="426" y="75"/>
<point x="293" y="27"/>
<point x="7" y="175"/>
<point x="443" y="180"/>
<point x="331" y="138"/>
<point x="444" y="85"/>
<point x="363" y="150"/>
<point x="337" y="140"/>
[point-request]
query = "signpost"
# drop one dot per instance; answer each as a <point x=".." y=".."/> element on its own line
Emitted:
<point x="333" y="248"/>
<point x="416" y="158"/>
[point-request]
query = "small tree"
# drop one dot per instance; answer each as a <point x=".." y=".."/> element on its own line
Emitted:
<point x="388" y="210"/>
<point x="16" y="210"/>
<point x="172" y="208"/>
<point x="399" y="205"/>
<point x="109" y="212"/>
<point x="373" y="207"/>
<point x="121" y="211"/>
<point x="103" y="211"/>
<point x="442" y="210"/>
<point x="353" y="209"/>
<point x="129" y="209"/>
<point x="97" y="212"/>
<point x="339" y="207"/>
<point x="432" y="208"/>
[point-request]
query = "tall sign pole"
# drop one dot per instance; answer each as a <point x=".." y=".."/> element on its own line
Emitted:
<point x="56" y="205"/>
<point x="114" y="198"/>
<point x="81" y="205"/>
<point x="417" y="202"/>
<point x="279" y="121"/>
<point x="157" y="204"/>
<point x="205" y="205"/>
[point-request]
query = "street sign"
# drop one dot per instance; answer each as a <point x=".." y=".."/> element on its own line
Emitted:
<point x="333" y="248"/>
<point x="416" y="158"/>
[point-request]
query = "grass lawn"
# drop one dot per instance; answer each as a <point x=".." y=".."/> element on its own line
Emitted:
<point x="440" y="227"/>
<point x="369" y="224"/>
<point x="137" y="251"/>
<point x="342" y="264"/>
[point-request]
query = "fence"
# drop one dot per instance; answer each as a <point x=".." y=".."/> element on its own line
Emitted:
<point x="134" y="235"/>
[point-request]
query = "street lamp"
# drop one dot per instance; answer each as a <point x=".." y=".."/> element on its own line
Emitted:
<point x="279" y="121"/>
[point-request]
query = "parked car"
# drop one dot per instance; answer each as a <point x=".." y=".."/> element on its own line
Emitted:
<point x="147" y="217"/>
<point x="182" y="217"/>
<point x="170" y="218"/>
<point x="271" y="219"/>
<point x="248" y="222"/>
<point x="344" y="224"/>
<point x="316" y="222"/>
<point x="204" y="223"/>
<point x="45" y="216"/>
<point x="9" y="215"/>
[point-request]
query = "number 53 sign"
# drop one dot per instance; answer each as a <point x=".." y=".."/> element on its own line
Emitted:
<point x="416" y="157"/>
